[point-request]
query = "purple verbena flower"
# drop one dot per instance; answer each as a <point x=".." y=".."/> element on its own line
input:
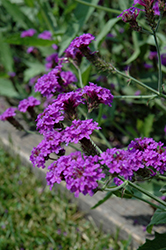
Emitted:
<point x="63" y="107"/>
<point x="10" y="112"/>
<point x="96" y="95"/>
<point x="156" y="9"/>
<point x="11" y="74"/>
<point x="30" y="49"/>
<point x="33" y="80"/>
<point x="163" y="59"/>
<point x="68" y="77"/>
<point x="8" y="115"/>
<point x="117" y="162"/>
<point x="152" y="55"/>
<point x="26" y="103"/>
<point x="165" y="129"/>
<point x="80" y="173"/>
<point x="79" y="130"/>
<point x="74" y="53"/>
<point x="144" y="2"/>
<point x="152" y="154"/>
<point x="38" y="156"/>
<point x="46" y="35"/>
<point x="137" y="93"/>
<point x="48" y="83"/>
<point x="70" y="101"/>
<point x="51" y="60"/>
<point x="52" y="114"/>
<point x="147" y="66"/>
<point x="142" y="144"/>
<point x="143" y="158"/>
<point x="130" y="15"/>
<point x="81" y="41"/>
<point x="110" y="35"/>
<point x="50" y="144"/>
<point x="29" y="33"/>
<point x="149" y="4"/>
<point x="54" y="46"/>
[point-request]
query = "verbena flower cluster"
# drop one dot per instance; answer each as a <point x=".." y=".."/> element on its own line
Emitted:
<point x="80" y="172"/>
<point x="141" y="154"/>
<point x="55" y="81"/>
<point x="49" y="123"/>
<point x="60" y="125"/>
<point x="151" y="8"/>
<point x="81" y="41"/>
<point x="27" y="33"/>
<point x="26" y="103"/>
<point x="46" y="35"/>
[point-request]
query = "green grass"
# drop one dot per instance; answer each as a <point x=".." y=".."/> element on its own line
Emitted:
<point x="32" y="217"/>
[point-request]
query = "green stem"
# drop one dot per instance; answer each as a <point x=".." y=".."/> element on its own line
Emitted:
<point x="140" y="83"/>
<point x="158" y="23"/>
<point x="161" y="177"/>
<point x="146" y="32"/>
<point x="79" y="72"/>
<point x="99" y="7"/>
<point x="116" y="188"/>
<point x="144" y="200"/>
<point x="101" y="65"/>
<point x="80" y="78"/>
<point x="100" y="114"/>
<point x="147" y="193"/>
<point x="159" y="63"/>
<point x="135" y="97"/>
<point x="137" y="81"/>
<point x="94" y="144"/>
<point x="31" y="132"/>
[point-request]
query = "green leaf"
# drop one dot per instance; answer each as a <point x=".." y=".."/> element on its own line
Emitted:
<point x="148" y="124"/>
<point x="7" y="89"/>
<point x="86" y="67"/>
<point x="160" y="37"/>
<point x="158" y="243"/>
<point x="29" y="3"/>
<point x="6" y="55"/>
<point x="107" y="27"/>
<point x="131" y="131"/>
<point x="136" y="49"/>
<point x="34" y="70"/>
<point x="28" y="41"/>
<point x="14" y="10"/>
<point x="108" y="195"/>
<point x="145" y="127"/>
<point x="159" y="217"/>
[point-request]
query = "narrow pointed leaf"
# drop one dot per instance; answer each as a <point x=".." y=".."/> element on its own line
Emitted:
<point x="108" y="195"/>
